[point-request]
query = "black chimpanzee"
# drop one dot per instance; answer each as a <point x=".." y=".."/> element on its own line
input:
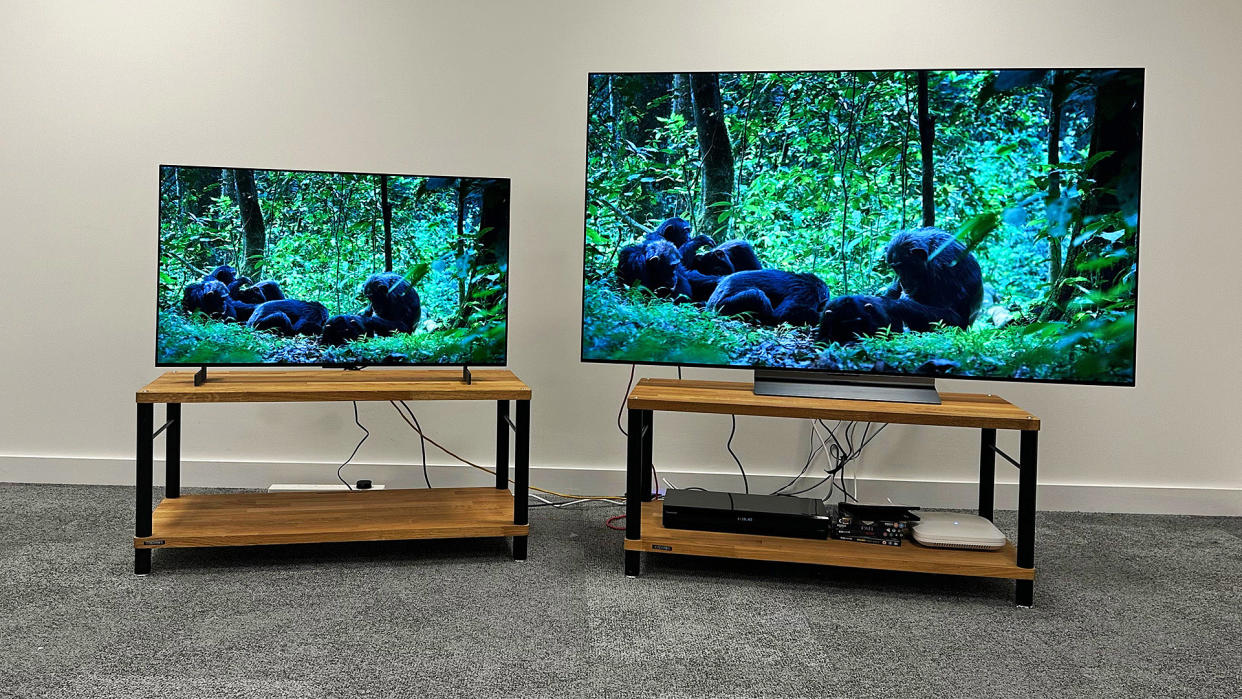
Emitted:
<point x="224" y="274"/>
<point x="392" y="298"/>
<point x="728" y="257"/>
<point x="289" y="317"/>
<point x="656" y="265"/>
<point x="343" y="329"/>
<point x="210" y="297"/>
<point x="701" y="285"/>
<point x="772" y="296"/>
<point x="243" y="290"/>
<point x="935" y="270"/>
<point x="850" y="318"/>
<point x="675" y="230"/>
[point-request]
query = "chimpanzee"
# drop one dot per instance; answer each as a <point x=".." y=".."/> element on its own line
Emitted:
<point x="210" y="297"/>
<point x="224" y="274"/>
<point x="267" y="290"/>
<point x="343" y="329"/>
<point x="393" y="299"/>
<point x="701" y="285"/>
<point x="675" y="230"/>
<point x="289" y="317"/>
<point x="728" y="257"/>
<point x="656" y="265"/>
<point x="772" y="296"/>
<point x="936" y="270"/>
<point x="850" y="318"/>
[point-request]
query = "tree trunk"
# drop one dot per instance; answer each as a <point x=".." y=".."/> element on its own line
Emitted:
<point x="927" y="134"/>
<point x="1055" y="101"/>
<point x="1057" y="260"/>
<point x="905" y="148"/>
<point x="714" y="149"/>
<point x="251" y="220"/>
<point x="683" y="102"/>
<point x="493" y="241"/>
<point x="386" y="207"/>
<point x="651" y="88"/>
<point x="461" y="248"/>
<point x="1117" y="129"/>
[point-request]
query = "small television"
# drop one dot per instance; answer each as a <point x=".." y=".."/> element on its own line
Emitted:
<point x="308" y="268"/>
<point x="843" y="232"/>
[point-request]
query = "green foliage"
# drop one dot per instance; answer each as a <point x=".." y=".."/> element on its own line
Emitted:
<point x="632" y="325"/>
<point x="197" y="339"/>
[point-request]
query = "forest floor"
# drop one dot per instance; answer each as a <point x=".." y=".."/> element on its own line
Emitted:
<point x="631" y="325"/>
<point x="200" y="340"/>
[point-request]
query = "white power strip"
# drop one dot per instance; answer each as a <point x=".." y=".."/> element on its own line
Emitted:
<point x="297" y="487"/>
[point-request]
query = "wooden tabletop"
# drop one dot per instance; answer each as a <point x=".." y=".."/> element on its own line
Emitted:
<point x="733" y="398"/>
<point x="304" y="385"/>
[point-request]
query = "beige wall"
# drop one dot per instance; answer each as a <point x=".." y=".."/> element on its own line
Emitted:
<point x="93" y="95"/>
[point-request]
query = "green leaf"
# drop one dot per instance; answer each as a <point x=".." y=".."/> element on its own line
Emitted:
<point x="416" y="273"/>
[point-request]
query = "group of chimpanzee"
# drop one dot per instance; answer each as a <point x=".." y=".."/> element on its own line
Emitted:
<point x="938" y="281"/>
<point x="393" y="307"/>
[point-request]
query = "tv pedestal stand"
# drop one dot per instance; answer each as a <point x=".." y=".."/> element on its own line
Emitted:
<point x="810" y="384"/>
<point x="645" y="530"/>
<point x="246" y="519"/>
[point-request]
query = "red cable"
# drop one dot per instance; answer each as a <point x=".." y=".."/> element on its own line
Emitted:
<point x="613" y="519"/>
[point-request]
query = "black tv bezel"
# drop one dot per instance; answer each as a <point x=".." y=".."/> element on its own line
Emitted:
<point x="504" y="360"/>
<point x="855" y="372"/>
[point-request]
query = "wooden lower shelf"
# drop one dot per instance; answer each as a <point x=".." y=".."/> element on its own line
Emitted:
<point x="250" y="519"/>
<point x="850" y="554"/>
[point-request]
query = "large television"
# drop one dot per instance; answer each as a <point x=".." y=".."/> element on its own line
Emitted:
<point x="295" y="267"/>
<point x="875" y="226"/>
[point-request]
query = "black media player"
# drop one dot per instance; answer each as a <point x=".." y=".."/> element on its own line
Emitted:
<point x="768" y="515"/>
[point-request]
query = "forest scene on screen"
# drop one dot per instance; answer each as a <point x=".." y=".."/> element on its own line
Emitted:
<point x="278" y="267"/>
<point x="975" y="223"/>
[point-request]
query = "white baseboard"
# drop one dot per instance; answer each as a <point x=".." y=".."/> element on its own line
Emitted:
<point x="1075" y="497"/>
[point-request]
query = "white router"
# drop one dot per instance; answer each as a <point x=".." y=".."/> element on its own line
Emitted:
<point x="951" y="530"/>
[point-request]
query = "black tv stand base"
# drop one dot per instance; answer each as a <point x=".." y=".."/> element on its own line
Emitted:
<point x="200" y="376"/>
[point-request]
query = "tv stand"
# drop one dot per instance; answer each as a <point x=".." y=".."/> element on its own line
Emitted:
<point x="246" y="519"/>
<point x="822" y="384"/>
<point x="645" y="530"/>
<point x="200" y="376"/>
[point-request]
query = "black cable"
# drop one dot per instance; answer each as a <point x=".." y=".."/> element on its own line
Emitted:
<point x="810" y="458"/>
<point x="416" y="427"/>
<point x="621" y="409"/>
<point x="421" y="440"/>
<point x="729" y="446"/>
<point x="679" y="372"/>
<point x="366" y="433"/>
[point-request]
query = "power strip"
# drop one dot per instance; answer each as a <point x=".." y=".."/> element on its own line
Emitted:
<point x="312" y="487"/>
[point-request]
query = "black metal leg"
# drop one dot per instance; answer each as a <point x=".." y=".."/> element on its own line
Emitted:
<point x="172" y="451"/>
<point x="987" y="473"/>
<point x="1028" y="457"/>
<point x="632" y="566"/>
<point x="144" y="474"/>
<point x="633" y="487"/>
<point x="521" y="476"/>
<point x="648" y="468"/>
<point x="502" y="445"/>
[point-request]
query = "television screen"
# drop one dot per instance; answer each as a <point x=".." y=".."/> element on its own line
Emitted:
<point x="330" y="268"/>
<point x="965" y="223"/>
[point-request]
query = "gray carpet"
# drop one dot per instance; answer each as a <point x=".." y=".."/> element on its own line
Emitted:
<point x="1126" y="606"/>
